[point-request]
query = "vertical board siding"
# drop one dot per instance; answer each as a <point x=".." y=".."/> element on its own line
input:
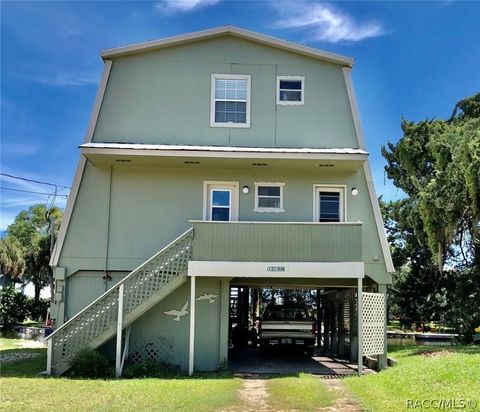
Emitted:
<point x="277" y="242"/>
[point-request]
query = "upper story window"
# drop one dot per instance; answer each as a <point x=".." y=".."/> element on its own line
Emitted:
<point x="268" y="197"/>
<point x="329" y="204"/>
<point x="230" y="105"/>
<point x="290" y="90"/>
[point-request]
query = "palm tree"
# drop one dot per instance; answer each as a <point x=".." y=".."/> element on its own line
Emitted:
<point x="12" y="261"/>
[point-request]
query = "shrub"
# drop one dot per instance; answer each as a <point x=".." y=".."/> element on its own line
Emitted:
<point x="89" y="363"/>
<point x="13" y="307"/>
<point x="149" y="369"/>
<point x="37" y="311"/>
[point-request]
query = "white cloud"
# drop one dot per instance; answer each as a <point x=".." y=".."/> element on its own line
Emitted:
<point x="66" y="79"/>
<point x="22" y="149"/>
<point x="182" y="6"/>
<point x="325" y="22"/>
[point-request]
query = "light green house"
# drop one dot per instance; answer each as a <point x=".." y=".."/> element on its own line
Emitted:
<point x="214" y="159"/>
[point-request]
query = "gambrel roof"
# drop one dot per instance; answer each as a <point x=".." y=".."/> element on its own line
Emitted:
<point x="232" y="31"/>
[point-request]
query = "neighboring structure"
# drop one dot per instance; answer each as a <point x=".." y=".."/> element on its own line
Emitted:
<point x="240" y="157"/>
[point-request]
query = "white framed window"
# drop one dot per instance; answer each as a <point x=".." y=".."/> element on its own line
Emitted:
<point x="329" y="204"/>
<point x="268" y="197"/>
<point x="290" y="90"/>
<point x="230" y="100"/>
<point x="220" y="201"/>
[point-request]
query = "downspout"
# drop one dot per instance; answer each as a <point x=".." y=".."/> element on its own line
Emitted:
<point x="106" y="276"/>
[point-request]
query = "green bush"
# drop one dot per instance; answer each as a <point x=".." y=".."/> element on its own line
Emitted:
<point x="37" y="311"/>
<point x="13" y="307"/>
<point x="149" y="369"/>
<point x="89" y="363"/>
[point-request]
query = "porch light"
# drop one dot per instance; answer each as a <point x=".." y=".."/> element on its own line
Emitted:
<point x="245" y="189"/>
<point x="354" y="191"/>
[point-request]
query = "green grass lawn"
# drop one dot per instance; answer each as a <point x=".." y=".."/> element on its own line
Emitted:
<point x="440" y="373"/>
<point x="302" y="393"/>
<point x="422" y="373"/>
<point x="22" y="389"/>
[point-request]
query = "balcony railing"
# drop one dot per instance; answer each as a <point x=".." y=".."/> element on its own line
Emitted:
<point x="277" y="241"/>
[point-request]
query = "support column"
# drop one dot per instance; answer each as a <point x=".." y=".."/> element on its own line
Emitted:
<point x="326" y="327"/>
<point x="126" y="347"/>
<point x="49" y="357"/>
<point x="360" y="325"/>
<point x="224" y="320"/>
<point x="319" y="320"/>
<point x="382" y="359"/>
<point x="341" y="327"/>
<point x="191" y="344"/>
<point x="118" y="358"/>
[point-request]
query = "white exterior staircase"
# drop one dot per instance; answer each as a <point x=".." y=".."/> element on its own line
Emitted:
<point x="117" y="308"/>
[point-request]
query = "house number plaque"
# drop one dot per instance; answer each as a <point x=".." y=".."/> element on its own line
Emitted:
<point x="275" y="268"/>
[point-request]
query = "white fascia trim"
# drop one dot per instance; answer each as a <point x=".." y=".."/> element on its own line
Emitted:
<point x="232" y="30"/>
<point x="276" y="269"/>
<point x="81" y="166"/>
<point x="133" y="149"/>
<point x="368" y="172"/>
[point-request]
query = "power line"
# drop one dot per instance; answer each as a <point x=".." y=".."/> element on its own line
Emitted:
<point x="30" y="191"/>
<point x="34" y="181"/>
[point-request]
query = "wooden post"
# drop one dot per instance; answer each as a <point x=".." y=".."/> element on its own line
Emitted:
<point x="319" y="320"/>
<point x="118" y="358"/>
<point x="382" y="359"/>
<point x="191" y="345"/>
<point x="125" y="347"/>
<point x="224" y="320"/>
<point x="49" y="356"/>
<point x="360" y="325"/>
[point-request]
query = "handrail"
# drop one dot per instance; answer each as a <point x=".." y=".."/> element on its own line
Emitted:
<point x="117" y="285"/>
<point x="357" y="223"/>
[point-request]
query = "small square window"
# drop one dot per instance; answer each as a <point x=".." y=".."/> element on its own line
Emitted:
<point x="269" y="197"/>
<point x="290" y="90"/>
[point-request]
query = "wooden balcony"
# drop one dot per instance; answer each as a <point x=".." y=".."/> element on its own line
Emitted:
<point x="277" y="241"/>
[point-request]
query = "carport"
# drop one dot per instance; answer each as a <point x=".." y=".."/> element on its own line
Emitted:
<point x="340" y="349"/>
<point x="251" y="361"/>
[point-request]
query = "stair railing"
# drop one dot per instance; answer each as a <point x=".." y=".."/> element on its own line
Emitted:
<point x="98" y="321"/>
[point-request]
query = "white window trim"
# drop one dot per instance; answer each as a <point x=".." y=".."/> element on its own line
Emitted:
<point x="212" y="100"/>
<point x="291" y="103"/>
<point x="269" y="209"/>
<point x="219" y="184"/>
<point x="342" y="189"/>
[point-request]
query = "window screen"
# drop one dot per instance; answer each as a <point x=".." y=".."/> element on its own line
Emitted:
<point x="269" y="197"/>
<point x="290" y="90"/>
<point x="329" y="207"/>
<point x="220" y="204"/>
<point x="230" y="100"/>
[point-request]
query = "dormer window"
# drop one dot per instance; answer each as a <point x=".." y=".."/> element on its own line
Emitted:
<point x="230" y="100"/>
<point x="290" y="90"/>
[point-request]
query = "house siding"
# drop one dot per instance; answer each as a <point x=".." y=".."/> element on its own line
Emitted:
<point x="143" y="208"/>
<point x="163" y="97"/>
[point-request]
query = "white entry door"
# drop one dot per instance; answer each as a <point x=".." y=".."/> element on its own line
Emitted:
<point x="221" y="201"/>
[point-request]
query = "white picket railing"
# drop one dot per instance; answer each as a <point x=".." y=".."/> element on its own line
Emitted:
<point x="142" y="288"/>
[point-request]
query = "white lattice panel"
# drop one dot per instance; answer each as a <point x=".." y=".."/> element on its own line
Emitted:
<point x="153" y="348"/>
<point x="373" y="323"/>
<point x="100" y="317"/>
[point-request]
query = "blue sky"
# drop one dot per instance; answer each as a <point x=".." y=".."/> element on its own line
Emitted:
<point x="413" y="59"/>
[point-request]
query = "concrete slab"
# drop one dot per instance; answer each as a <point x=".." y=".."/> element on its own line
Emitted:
<point x="286" y="361"/>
